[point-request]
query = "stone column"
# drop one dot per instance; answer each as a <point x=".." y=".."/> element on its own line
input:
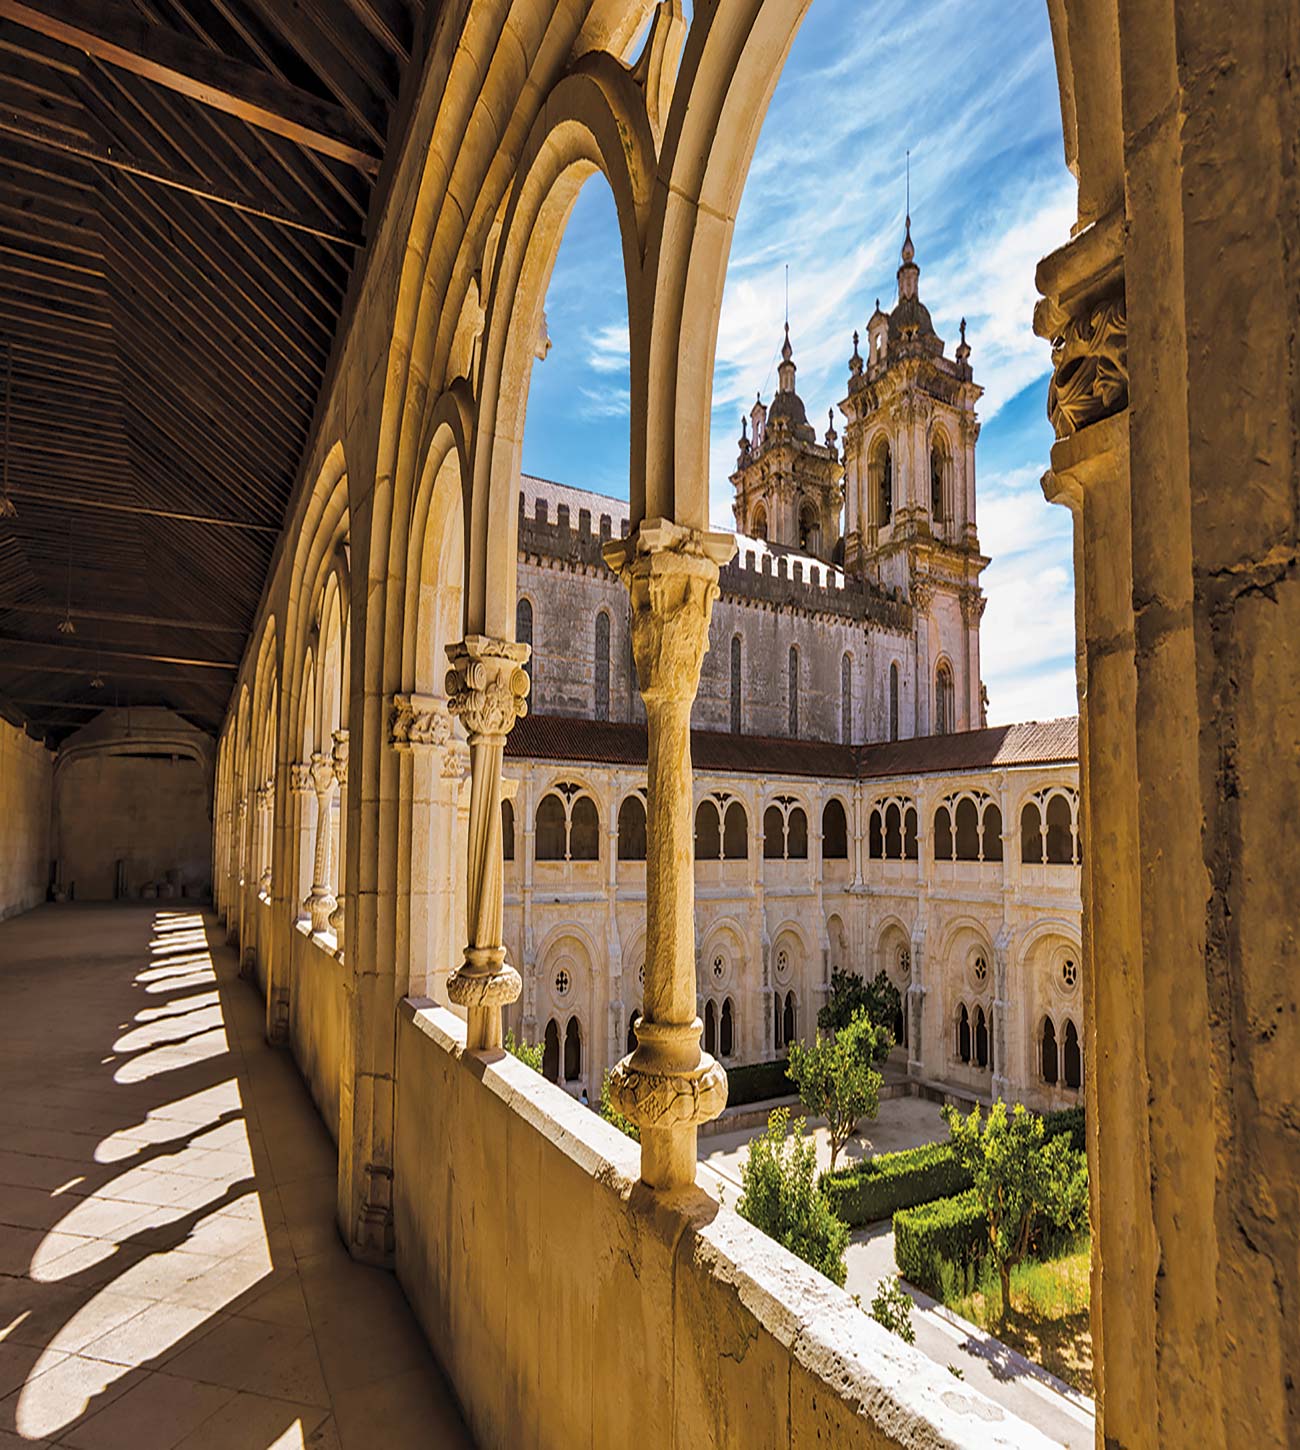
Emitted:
<point x="320" y="902"/>
<point x="922" y="595"/>
<point x="916" y="1009"/>
<point x="972" y="611"/>
<point x="242" y="842"/>
<point x="1004" y="1028"/>
<point x="265" y="813"/>
<point x="487" y="686"/>
<point x="300" y="788"/>
<point x="668" y="1086"/>
<point x="339" y="760"/>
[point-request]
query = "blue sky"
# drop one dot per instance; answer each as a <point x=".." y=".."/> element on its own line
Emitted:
<point x="970" y="87"/>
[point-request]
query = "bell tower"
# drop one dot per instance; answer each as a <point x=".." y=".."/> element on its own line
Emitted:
<point x="909" y="460"/>
<point x="787" y="484"/>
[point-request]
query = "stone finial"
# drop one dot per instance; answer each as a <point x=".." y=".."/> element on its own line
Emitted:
<point x="855" y="362"/>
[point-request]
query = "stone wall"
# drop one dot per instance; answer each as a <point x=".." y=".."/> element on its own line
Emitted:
<point x="588" y="1311"/>
<point x="316" y="1009"/>
<point x="26" y="777"/>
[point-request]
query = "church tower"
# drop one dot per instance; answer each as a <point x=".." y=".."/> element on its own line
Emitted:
<point x="787" y="484"/>
<point x="909" y="459"/>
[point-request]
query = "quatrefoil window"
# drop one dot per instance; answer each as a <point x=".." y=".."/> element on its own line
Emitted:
<point x="562" y="982"/>
<point x="719" y="967"/>
<point x="1069" y="973"/>
<point x="981" y="969"/>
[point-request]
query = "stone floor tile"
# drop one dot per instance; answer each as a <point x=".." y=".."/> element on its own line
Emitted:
<point x="261" y="1422"/>
<point x="155" y="1414"/>
<point x="149" y="1337"/>
<point x="264" y="1359"/>
<point x="66" y="1389"/>
<point x="416" y="1407"/>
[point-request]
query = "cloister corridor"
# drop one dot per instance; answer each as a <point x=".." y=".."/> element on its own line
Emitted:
<point x="171" y="1270"/>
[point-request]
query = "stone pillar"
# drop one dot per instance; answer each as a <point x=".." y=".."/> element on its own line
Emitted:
<point x="265" y="815"/>
<point x="922" y="596"/>
<point x="487" y="687"/>
<point x="668" y="1086"/>
<point x="916" y="1010"/>
<point x="320" y="902"/>
<point x="339" y="760"/>
<point x="970" y="714"/>
<point x="1004" y="1027"/>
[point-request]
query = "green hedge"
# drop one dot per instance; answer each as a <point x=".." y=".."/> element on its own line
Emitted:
<point x="1066" y="1120"/>
<point x="951" y="1229"/>
<point x="878" y="1187"/>
<point x="757" y="1082"/>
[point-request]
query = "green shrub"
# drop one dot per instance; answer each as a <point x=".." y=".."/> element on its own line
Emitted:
<point x="611" y="1114"/>
<point x="529" y="1052"/>
<point x="892" y="1307"/>
<point x="758" y="1082"/>
<point x="880" y="1186"/>
<point x="782" y="1198"/>
<point x="948" y="1231"/>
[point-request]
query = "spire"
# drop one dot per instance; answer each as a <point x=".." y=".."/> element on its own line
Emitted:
<point x="786" y="371"/>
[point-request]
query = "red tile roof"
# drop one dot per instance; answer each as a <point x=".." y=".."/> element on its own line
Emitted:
<point x="600" y="742"/>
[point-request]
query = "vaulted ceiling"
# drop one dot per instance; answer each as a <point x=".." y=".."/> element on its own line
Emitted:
<point x="184" y="193"/>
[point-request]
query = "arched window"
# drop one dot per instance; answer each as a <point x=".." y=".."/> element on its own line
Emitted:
<point x="602" y="665"/>
<point x="968" y="830"/>
<point x="900" y="1022"/>
<point x="773" y="834"/>
<point x="981" y="1039"/>
<point x="631" y="829"/>
<point x="993" y="1037"/>
<point x="524" y="633"/>
<point x="942" y="835"/>
<point x="875" y="838"/>
<point x="944" y="704"/>
<point x="572" y="1051"/>
<point x="885" y="484"/>
<point x="963" y="1034"/>
<point x="835" y="831"/>
<point x="893" y="833"/>
<point x="1073" y="1063"/>
<point x="549" y="842"/>
<point x="551" y="1052"/>
<point x="1060" y="834"/>
<point x="788" y="1019"/>
<point x="727" y="1030"/>
<point x="909" y="833"/>
<point x="992" y="832"/>
<point x="584" y="830"/>
<point x="797" y="835"/>
<point x="710" y="1029"/>
<point x="1031" y="835"/>
<point x="846" y="700"/>
<point x="1049" y="1052"/>
<point x="735" y="684"/>
<point x="893" y="702"/>
<point x="792" y="688"/>
<point x="776" y="1021"/>
<point x="631" y="1031"/>
<point x="760" y="522"/>
<point x="507" y="831"/>
<point x="708" y="834"/>
<point x="810" y="533"/>
<point x="735" y="833"/>
<point x="936" y="484"/>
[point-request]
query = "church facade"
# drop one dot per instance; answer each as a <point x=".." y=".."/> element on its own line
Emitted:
<point x="853" y="808"/>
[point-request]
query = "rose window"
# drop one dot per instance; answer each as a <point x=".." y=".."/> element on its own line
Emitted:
<point x="1069" y="974"/>
<point x="981" y="969"/>
<point x="562" y="982"/>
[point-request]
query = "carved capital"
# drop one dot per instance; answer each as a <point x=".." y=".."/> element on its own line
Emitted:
<point x="419" y="722"/>
<point x="654" y="1093"/>
<point x="495" y="988"/>
<point x="300" y="778"/>
<point x="922" y="591"/>
<point x="487" y="685"/>
<point x="972" y="605"/>
<point x="671" y="575"/>
<point x="339" y="759"/>
<point x="265" y="795"/>
<point x="320" y="771"/>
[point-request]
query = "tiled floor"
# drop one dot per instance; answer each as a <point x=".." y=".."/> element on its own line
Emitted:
<point x="170" y="1274"/>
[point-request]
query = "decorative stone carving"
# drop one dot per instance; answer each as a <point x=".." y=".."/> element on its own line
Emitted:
<point x="339" y="757"/>
<point x="1089" y="366"/>
<point x="973" y="603"/>
<point x="922" y="594"/>
<point x="667" y="1086"/>
<point x="321" y="901"/>
<point x="419" y="721"/>
<point x="487" y="687"/>
<point x="300" y="778"/>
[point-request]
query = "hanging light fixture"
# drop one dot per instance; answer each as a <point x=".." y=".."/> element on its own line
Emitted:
<point x="65" y="625"/>
<point x="7" y="509"/>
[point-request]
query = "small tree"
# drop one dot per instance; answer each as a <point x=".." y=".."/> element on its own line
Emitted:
<point x="892" y="1307"/>
<point x="850" y="995"/>
<point x="782" y="1198"/>
<point x="1021" y="1180"/>
<point x="611" y="1114"/>
<point x="529" y="1052"/>
<point x="836" y="1079"/>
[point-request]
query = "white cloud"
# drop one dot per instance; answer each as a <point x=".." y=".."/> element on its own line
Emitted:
<point x="608" y="348"/>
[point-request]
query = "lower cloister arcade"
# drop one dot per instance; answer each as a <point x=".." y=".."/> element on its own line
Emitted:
<point x="358" y="822"/>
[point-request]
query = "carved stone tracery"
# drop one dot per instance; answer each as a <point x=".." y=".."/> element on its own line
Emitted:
<point x="1089" y="366"/>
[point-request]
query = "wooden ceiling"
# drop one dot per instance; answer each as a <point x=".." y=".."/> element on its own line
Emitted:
<point x="184" y="192"/>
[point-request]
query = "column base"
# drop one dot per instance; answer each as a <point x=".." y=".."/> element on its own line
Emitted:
<point x="321" y="908"/>
<point x="373" y="1241"/>
<point x="668" y="1105"/>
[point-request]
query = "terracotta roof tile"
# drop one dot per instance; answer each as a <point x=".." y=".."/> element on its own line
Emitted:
<point x="600" y="742"/>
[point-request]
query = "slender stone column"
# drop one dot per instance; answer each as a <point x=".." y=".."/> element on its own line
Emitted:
<point x="668" y="1086"/>
<point x="265" y="810"/>
<point x="243" y="838"/>
<point x="338" y="917"/>
<point x="487" y="686"/>
<point x="320" y="902"/>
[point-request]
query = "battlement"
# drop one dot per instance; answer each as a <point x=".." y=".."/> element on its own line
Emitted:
<point x="772" y="579"/>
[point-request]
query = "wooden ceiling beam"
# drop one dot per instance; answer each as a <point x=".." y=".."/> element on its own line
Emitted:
<point x="48" y="137"/>
<point x="110" y="616"/>
<point x="118" y="35"/>
<point x="64" y="501"/>
<point x="99" y="651"/>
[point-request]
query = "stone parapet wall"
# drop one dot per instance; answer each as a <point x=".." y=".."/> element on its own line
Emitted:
<point x="772" y="580"/>
<point x="317" y="1011"/>
<point x="589" y="1312"/>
